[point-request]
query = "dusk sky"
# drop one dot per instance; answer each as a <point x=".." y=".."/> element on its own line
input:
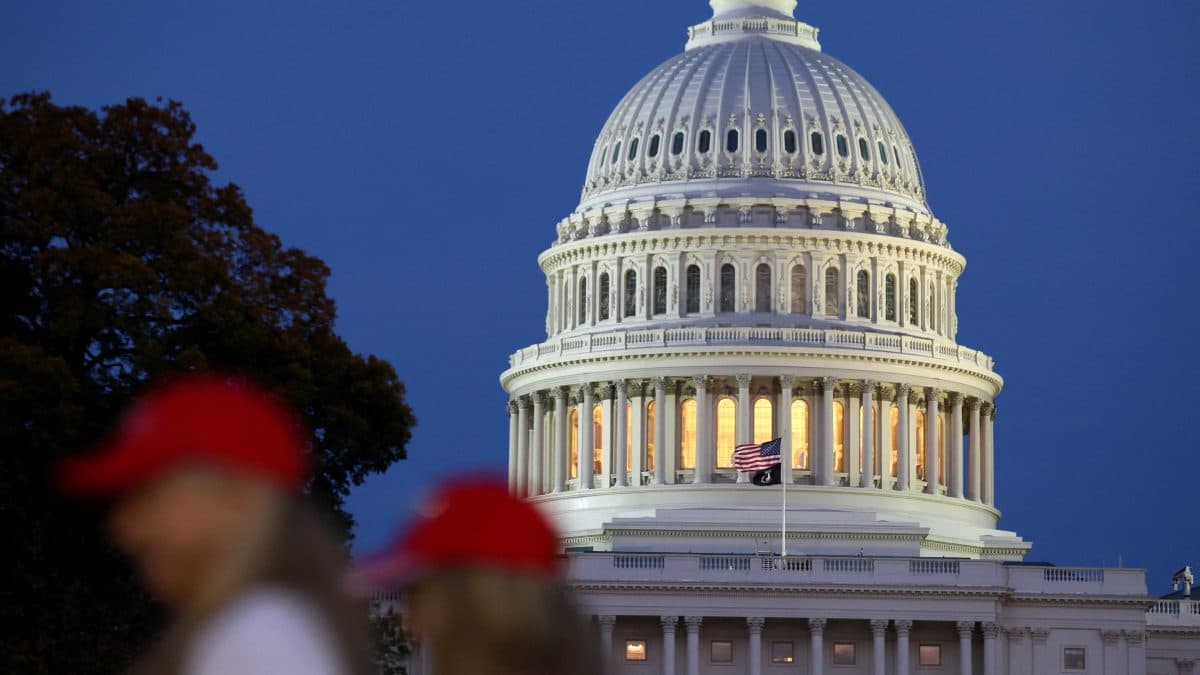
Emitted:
<point x="425" y="151"/>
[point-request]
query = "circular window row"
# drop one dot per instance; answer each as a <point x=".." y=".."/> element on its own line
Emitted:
<point x="704" y="143"/>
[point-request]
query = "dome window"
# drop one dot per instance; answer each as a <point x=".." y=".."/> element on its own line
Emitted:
<point x="692" y="290"/>
<point x="843" y="147"/>
<point x="653" y="149"/>
<point x="660" y="290"/>
<point x="677" y="143"/>
<point x="882" y="153"/>
<point x="731" y="140"/>
<point x="633" y="148"/>
<point x="630" y="295"/>
<point x="727" y="302"/>
<point x="817" y="141"/>
<point x="705" y="143"/>
<point x="616" y="155"/>
<point x="896" y="154"/>
<point x="789" y="142"/>
<point x="604" y="291"/>
<point x="889" y="297"/>
<point x="864" y="150"/>
<point x="760" y="140"/>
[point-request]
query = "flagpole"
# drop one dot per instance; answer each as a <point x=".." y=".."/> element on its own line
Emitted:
<point x="783" y="518"/>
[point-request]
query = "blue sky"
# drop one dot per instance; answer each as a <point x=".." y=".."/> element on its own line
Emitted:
<point x="426" y="150"/>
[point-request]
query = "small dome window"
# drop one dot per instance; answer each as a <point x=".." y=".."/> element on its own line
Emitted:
<point x="616" y="155"/>
<point x="817" y="141"/>
<point x="731" y="141"/>
<point x="896" y="154"/>
<point x="789" y="142"/>
<point x="633" y="148"/>
<point x="677" y="143"/>
<point x="882" y="153"/>
<point x="843" y="147"/>
<point x="705" y="143"/>
<point x="653" y="150"/>
<point x="864" y="150"/>
<point x="760" y="140"/>
<point x="603" y="154"/>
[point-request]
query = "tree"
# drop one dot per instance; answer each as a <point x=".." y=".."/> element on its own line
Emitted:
<point x="122" y="262"/>
<point x="390" y="641"/>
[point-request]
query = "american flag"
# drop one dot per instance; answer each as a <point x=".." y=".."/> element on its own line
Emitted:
<point x="757" y="456"/>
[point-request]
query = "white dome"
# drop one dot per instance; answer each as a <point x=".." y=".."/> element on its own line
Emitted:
<point x="754" y="80"/>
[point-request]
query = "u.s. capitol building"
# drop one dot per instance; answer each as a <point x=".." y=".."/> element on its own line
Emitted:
<point x="754" y="257"/>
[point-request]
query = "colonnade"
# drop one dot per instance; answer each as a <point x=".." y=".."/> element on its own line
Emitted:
<point x="855" y="433"/>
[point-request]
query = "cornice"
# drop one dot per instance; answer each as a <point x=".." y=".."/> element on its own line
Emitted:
<point x="991" y="592"/>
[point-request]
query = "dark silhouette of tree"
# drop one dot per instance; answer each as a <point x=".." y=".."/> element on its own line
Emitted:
<point x="121" y="262"/>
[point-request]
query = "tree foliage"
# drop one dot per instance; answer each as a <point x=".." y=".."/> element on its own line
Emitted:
<point x="121" y="262"/>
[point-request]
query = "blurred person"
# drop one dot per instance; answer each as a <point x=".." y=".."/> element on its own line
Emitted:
<point x="480" y="571"/>
<point x="205" y="477"/>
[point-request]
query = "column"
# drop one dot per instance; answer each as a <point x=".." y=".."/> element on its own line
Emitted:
<point x="622" y="438"/>
<point x="989" y="457"/>
<point x="755" y="626"/>
<point x="868" y="435"/>
<point x="903" y="459"/>
<point x="955" y="446"/>
<point x="705" y="449"/>
<point x="522" y="446"/>
<point x="586" y="442"/>
<point x="1018" y="661"/>
<point x="1111" y="664"/>
<point x="513" y="426"/>
<point x="976" y="453"/>
<point x="903" y="627"/>
<point x="562" y="442"/>
<point x="606" y="437"/>
<point x="638" y="454"/>
<point x="785" y="426"/>
<point x="693" y="644"/>
<point x="607" y="622"/>
<point x="1136" y="639"/>
<point x="825" y="464"/>
<point x="965" y="630"/>
<point x="537" y="451"/>
<point x="879" y="643"/>
<point x="931" y="441"/>
<point x="661" y="452"/>
<point x="990" y="632"/>
<point x="853" y="444"/>
<point x="669" y="626"/>
<point x="816" y="628"/>
<point x="742" y="432"/>
<point x="885" y="439"/>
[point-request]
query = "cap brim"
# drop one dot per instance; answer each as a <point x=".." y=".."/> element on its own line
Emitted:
<point x="105" y="472"/>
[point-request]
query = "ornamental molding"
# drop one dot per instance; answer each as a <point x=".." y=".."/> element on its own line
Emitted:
<point x="769" y="589"/>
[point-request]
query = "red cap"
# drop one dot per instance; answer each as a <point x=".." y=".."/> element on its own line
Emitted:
<point x="205" y="419"/>
<point x="469" y="523"/>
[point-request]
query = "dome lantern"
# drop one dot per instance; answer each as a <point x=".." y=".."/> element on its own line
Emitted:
<point x="729" y="9"/>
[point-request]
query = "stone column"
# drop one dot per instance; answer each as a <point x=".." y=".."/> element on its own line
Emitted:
<point x="522" y="447"/>
<point x="537" y="453"/>
<point x="755" y="626"/>
<point x="825" y="452"/>
<point x="976" y="453"/>
<point x="816" y="628"/>
<point x="1017" y="653"/>
<point x="661" y="415"/>
<point x="990" y="632"/>
<point x="1136" y="639"/>
<point x="743" y="433"/>
<point x="965" y="630"/>
<point x="693" y="644"/>
<point x="955" y="447"/>
<point x="705" y="449"/>
<point x="903" y="627"/>
<point x="868" y="436"/>
<point x="1111" y="664"/>
<point x="903" y="457"/>
<point x="621" y="469"/>
<point x="513" y="426"/>
<point x="562" y="441"/>
<point x="607" y="622"/>
<point x="638" y="442"/>
<point x="989" y="457"/>
<point x="879" y="644"/>
<point x="669" y="626"/>
<point x="785" y="426"/>
<point x="606" y="437"/>
<point x="885" y="439"/>
<point x="587" y="402"/>
<point x="931" y="441"/>
<point x="853" y="445"/>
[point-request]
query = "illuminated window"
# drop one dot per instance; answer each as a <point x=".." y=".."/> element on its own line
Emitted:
<point x="720" y="651"/>
<point x="920" y="449"/>
<point x="630" y="293"/>
<point x="760" y="140"/>
<point x="894" y="421"/>
<point x="800" y="435"/>
<point x="914" y="301"/>
<point x="783" y="652"/>
<point x="833" y="304"/>
<point x="763" y="421"/>
<point x="582" y="301"/>
<point x="573" y="470"/>
<point x="762" y="288"/>
<point x="597" y="440"/>
<point x="728" y="288"/>
<point x="635" y="650"/>
<point x="660" y="290"/>
<point x="839" y="437"/>
<point x="693" y="289"/>
<point x="604" y="292"/>
<point x="799" y="290"/>
<point x="864" y="295"/>
<point x="687" y="436"/>
<point x="843" y="654"/>
<point x="726" y="423"/>
<point x="1074" y="658"/>
<point x="889" y="297"/>
<point x="929" y="655"/>
<point x="651" y="434"/>
<point x="629" y="438"/>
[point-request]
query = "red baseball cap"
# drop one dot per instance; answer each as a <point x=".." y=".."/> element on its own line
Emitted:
<point x="204" y="419"/>
<point x="473" y="523"/>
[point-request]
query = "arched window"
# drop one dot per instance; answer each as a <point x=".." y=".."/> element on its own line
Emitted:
<point x="582" y="301"/>
<point x="789" y="142"/>
<point x="864" y="150"/>
<point x="833" y="303"/>
<point x="764" y="422"/>
<point x="762" y="289"/>
<point x="651" y="434"/>
<point x="760" y="140"/>
<point x="889" y="297"/>
<point x="616" y="155"/>
<point x="633" y="148"/>
<point x="597" y="440"/>
<point x="629" y="439"/>
<point x="573" y="469"/>
<point x="652" y="151"/>
<point x="882" y="153"/>
<point x="894" y="423"/>
<point x="799" y="290"/>
<point x="817" y="142"/>
<point x="731" y="140"/>
<point x="728" y="296"/>
<point x="677" y="143"/>
<point x="630" y="293"/>
<point x="687" y="434"/>
<point x="843" y="147"/>
<point x="660" y="290"/>
<point x="914" y="301"/>
<point x="800" y="434"/>
<point x="726" y="423"/>
<point x="839" y="437"/>
<point x="705" y="142"/>
<point x="920" y="448"/>
<point x="864" y="294"/>
<point x="692" y="290"/>
<point x="604" y="295"/>
<point x="941" y="448"/>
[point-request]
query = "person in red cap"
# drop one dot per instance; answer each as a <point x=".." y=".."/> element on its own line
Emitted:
<point x="480" y="571"/>
<point x="205" y="477"/>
